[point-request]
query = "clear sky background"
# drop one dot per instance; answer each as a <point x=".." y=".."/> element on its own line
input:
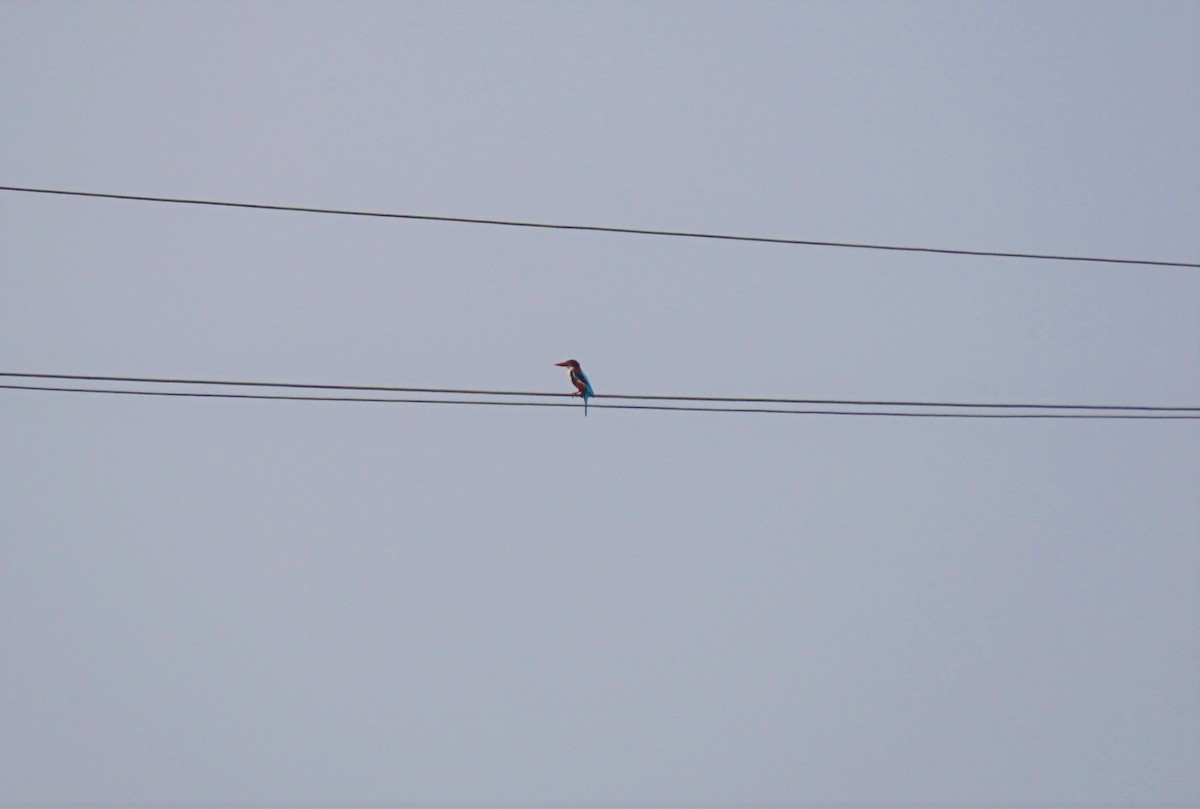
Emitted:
<point x="216" y="602"/>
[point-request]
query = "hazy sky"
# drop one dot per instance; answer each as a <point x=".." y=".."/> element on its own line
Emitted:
<point x="218" y="602"/>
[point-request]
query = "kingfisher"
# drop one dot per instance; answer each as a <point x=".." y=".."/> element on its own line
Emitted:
<point x="579" y="380"/>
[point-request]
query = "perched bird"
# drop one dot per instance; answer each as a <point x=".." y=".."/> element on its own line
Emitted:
<point x="579" y="380"/>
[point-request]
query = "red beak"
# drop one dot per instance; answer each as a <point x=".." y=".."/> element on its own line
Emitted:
<point x="562" y="364"/>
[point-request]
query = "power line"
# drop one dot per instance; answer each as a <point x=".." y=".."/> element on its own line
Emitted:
<point x="632" y="396"/>
<point x="502" y="403"/>
<point x="594" y="406"/>
<point x="599" y="228"/>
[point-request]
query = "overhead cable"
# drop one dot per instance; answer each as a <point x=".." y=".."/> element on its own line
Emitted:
<point x="500" y="403"/>
<point x="1094" y="413"/>
<point x="598" y="228"/>
<point x="641" y="396"/>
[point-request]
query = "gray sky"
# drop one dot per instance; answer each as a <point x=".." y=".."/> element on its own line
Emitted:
<point x="210" y="602"/>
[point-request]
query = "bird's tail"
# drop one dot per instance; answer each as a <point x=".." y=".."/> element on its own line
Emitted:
<point x="585" y="398"/>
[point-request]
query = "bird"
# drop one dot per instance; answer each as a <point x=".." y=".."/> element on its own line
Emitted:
<point x="579" y="380"/>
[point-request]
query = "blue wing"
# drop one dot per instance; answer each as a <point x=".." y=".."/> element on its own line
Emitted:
<point x="582" y="377"/>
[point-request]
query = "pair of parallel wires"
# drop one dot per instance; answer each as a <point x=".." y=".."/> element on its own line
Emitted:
<point x="380" y="394"/>
<point x="383" y="394"/>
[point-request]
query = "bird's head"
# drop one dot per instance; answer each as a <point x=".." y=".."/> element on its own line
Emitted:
<point x="572" y="364"/>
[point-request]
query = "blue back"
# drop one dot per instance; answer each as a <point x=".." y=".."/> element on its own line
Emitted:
<point x="582" y="377"/>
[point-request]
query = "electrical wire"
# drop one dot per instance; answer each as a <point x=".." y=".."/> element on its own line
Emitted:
<point x="502" y="403"/>
<point x="643" y="397"/>
<point x="594" y="406"/>
<point x="598" y="228"/>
